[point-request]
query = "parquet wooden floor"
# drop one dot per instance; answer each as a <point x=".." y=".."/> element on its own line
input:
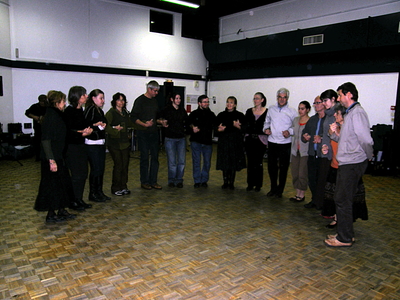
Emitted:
<point x="196" y="244"/>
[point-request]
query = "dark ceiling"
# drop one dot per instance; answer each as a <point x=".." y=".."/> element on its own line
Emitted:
<point x="215" y="8"/>
<point x="202" y="23"/>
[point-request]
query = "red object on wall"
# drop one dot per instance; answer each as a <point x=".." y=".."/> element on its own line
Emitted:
<point x="188" y="108"/>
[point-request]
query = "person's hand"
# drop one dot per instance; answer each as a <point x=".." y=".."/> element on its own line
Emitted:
<point x="333" y="127"/>
<point x="325" y="149"/>
<point x="267" y="131"/>
<point x="307" y="137"/>
<point x="195" y="129"/>
<point x="237" y="124"/>
<point x="286" y="133"/>
<point x="149" y="123"/>
<point x="87" y="131"/>
<point x="102" y="124"/>
<point x="317" y="139"/>
<point x="164" y="123"/>
<point x="53" y="165"/>
<point x="221" y="127"/>
<point x="118" y="127"/>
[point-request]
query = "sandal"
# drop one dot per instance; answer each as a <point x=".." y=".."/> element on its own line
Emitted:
<point x="297" y="199"/>
<point x="332" y="224"/>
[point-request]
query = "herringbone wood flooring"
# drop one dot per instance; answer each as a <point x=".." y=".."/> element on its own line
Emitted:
<point x="188" y="243"/>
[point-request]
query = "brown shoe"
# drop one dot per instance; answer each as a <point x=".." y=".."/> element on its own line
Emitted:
<point x="146" y="186"/>
<point x="333" y="236"/>
<point x="336" y="243"/>
<point x="156" y="186"/>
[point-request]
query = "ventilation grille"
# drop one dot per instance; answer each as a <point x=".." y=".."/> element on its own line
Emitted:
<point x="313" y="39"/>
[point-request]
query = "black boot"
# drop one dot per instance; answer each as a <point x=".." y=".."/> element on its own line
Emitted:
<point x="63" y="213"/>
<point x="225" y="176"/>
<point x="53" y="218"/>
<point x="100" y="189"/>
<point x="93" y="192"/>
<point x="232" y="180"/>
<point x="75" y="205"/>
<point x="83" y="203"/>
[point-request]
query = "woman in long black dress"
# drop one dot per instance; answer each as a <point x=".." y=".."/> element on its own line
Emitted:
<point x="54" y="190"/>
<point x="256" y="142"/>
<point x="230" y="155"/>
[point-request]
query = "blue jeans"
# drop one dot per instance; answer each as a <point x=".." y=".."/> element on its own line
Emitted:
<point x="201" y="175"/>
<point x="176" y="156"/>
<point x="148" y="147"/>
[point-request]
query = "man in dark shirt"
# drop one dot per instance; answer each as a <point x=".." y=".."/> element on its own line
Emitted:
<point x="145" y="114"/>
<point x="201" y="123"/>
<point x="36" y="112"/>
<point x="312" y="134"/>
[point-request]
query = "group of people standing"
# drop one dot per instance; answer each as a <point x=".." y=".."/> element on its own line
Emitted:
<point x="72" y="139"/>
<point x="329" y="151"/>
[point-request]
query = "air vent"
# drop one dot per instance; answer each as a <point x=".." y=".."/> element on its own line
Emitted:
<point x="313" y="39"/>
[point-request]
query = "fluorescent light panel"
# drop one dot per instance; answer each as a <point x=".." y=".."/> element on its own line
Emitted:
<point x="183" y="3"/>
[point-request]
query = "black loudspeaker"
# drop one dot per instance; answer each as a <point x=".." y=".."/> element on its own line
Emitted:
<point x="168" y="88"/>
<point x="14" y="128"/>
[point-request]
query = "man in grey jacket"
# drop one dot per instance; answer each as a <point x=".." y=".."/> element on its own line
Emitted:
<point x="354" y="152"/>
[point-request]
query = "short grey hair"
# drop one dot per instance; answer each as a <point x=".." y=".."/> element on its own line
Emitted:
<point x="283" y="91"/>
<point x="153" y="85"/>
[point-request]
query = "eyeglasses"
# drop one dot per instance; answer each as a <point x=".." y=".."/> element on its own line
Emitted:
<point x="279" y="97"/>
<point x="315" y="103"/>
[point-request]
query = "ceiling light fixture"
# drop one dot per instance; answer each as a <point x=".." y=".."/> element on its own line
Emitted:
<point x="183" y="3"/>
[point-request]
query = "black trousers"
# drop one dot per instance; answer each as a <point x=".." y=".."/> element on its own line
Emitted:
<point x="324" y="165"/>
<point x="77" y="163"/>
<point x="120" y="170"/>
<point x="278" y="165"/>
<point x="255" y="151"/>
<point x="347" y="180"/>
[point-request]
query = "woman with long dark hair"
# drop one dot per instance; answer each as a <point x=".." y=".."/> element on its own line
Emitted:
<point x="95" y="144"/>
<point x="299" y="152"/>
<point x="76" y="155"/>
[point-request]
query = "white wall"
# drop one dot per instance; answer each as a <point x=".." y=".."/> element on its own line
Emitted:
<point x="100" y="33"/>
<point x="6" y="101"/>
<point x="104" y="33"/>
<point x="291" y="15"/>
<point x="29" y="84"/>
<point x="377" y="92"/>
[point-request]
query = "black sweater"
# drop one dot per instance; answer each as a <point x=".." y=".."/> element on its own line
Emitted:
<point x="204" y="119"/>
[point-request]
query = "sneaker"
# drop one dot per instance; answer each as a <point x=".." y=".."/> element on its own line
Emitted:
<point x="119" y="193"/>
<point x="126" y="191"/>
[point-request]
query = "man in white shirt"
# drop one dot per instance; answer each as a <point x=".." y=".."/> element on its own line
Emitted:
<point x="279" y="128"/>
